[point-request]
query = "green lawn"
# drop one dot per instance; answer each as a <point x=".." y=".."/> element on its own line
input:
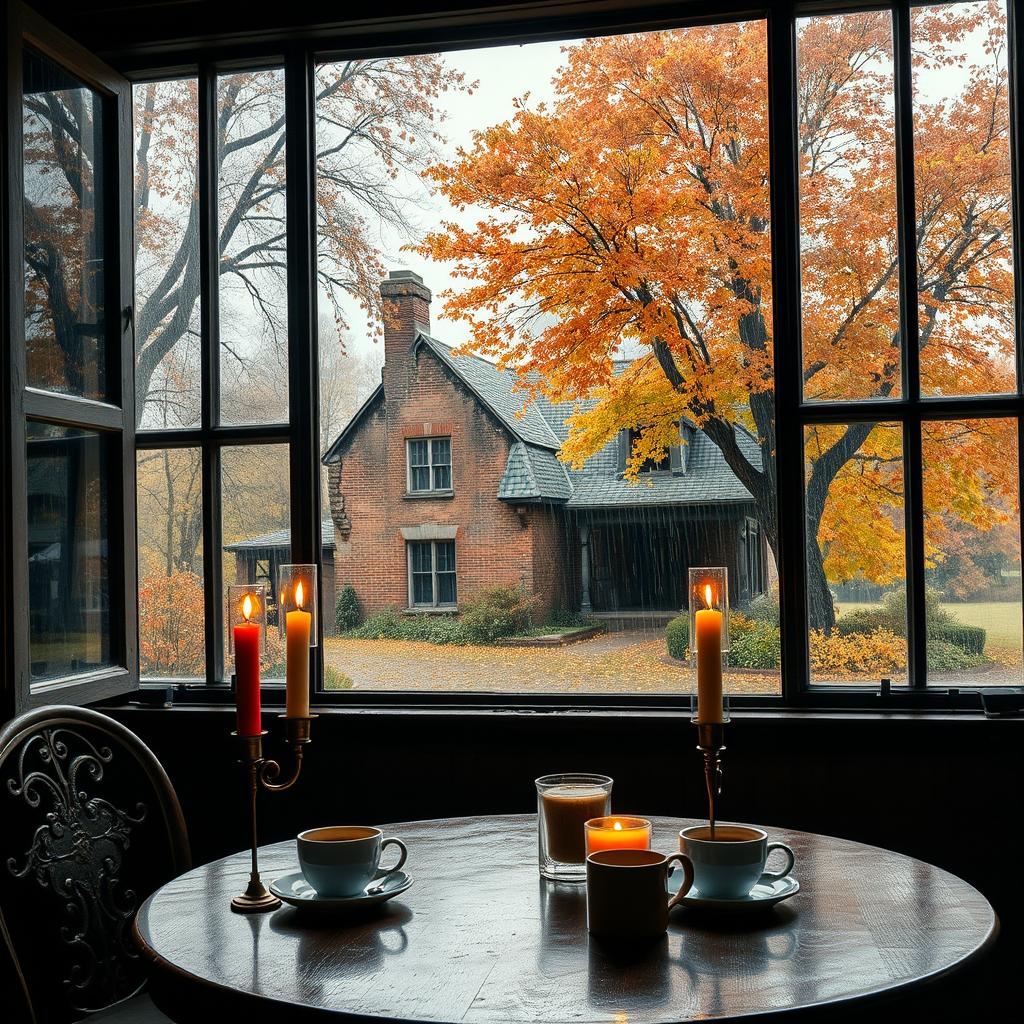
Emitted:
<point x="1000" y="619"/>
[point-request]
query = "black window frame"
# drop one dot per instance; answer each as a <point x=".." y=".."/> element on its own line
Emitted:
<point x="111" y="418"/>
<point x="430" y="465"/>
<point x="793" y="414"/>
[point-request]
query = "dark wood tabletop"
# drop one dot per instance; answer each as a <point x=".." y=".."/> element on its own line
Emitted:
<point x="479" y="937"/>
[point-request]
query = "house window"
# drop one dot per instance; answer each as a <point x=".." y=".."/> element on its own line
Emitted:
<point x="430" y="464"/>
<point x="751" y="559"/>
<point x="649" y="465"/>
<point x="432" y="574"/>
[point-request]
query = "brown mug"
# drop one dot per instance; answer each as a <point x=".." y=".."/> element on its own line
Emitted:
<point x="627" y="893"/>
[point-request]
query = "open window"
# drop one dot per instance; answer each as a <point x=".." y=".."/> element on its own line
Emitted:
<point x="70" y="580"/>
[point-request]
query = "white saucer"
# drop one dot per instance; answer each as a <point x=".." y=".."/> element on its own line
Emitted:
<point x="294" y="890"/>
<point x="766" y="893"/>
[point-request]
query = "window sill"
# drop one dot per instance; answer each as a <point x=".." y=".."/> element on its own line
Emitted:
<point x="431" y="609"/>
<point x="420" y="495"/>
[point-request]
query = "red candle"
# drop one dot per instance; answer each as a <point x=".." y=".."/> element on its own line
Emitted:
<point x="247" y="672"/>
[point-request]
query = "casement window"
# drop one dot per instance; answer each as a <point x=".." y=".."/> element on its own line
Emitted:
<point x="430" y="464"/>
<point x="432" y="574"/>
<point x="838" y="335"/>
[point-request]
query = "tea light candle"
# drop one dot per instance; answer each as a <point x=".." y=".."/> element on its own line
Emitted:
<point x="618" y="833"/>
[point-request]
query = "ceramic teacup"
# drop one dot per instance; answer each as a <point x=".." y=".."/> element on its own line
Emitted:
<point x="627" y="893"/>
<point x="730" y="865"/>
<point x="340" y="860"/>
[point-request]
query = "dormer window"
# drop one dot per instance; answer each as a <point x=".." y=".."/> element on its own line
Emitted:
<point x="430" y="464"/>
<point x="662" y="465"/>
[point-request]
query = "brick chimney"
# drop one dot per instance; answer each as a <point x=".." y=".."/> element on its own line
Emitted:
<point x="406" y="311"/>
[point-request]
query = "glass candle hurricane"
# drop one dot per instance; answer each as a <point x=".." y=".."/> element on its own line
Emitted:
<point x="708" y="599"/>
<point x="565" y="803"/>
<point x="239" y="612"/>
<point x="297" y="591"/>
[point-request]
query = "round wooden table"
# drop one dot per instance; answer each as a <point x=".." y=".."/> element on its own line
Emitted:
<point x="481" y="938"/>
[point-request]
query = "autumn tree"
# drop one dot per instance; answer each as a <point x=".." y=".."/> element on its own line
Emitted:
<point x="631" y="215"/>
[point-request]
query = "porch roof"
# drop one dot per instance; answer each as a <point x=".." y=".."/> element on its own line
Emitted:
<point x="281" y="539"/>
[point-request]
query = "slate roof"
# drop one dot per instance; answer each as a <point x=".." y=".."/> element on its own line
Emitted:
<point x="533" y="472"/>
<point x="282" y="539"/>
<point x="496" y="389"/>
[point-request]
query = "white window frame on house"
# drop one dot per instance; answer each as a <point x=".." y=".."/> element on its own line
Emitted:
<point x="434" y="573"/>
<point x="431" y="465"/>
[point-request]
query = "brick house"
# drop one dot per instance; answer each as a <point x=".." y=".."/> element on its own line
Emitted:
<point x="442" y="484"/>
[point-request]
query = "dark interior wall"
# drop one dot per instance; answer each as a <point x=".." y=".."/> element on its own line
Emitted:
<point x="941" y="788"/>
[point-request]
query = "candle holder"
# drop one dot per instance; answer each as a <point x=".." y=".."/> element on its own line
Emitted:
<point x="297" y="591"/>
<point x="264" y="773"/>
<point x="708" y="589"/>
<point x="711" y="744"/>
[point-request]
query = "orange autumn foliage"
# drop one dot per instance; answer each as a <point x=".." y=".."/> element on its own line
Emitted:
<point x="630" y="216"/>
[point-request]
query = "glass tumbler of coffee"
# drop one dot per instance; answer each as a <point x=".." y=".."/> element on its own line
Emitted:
<point x="564" y="804"/>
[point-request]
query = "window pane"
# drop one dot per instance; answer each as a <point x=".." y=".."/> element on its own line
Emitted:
<point x="856" y="564"/>
<point x="848" y="239"/>
<point x="421" y="555"/>
<point x="459" y="274"/>
<point x="167" y="366"/>
<point x="422" y="588"/>
<point x="256" y="527"/>
<point x="418" y="453"/>
<point x="171" y="600"/>
<point x="441" y="451"/>
<point x="64" y="218"/>
<point x="68" y="537"/>
<point x="963" y="190"/>
<point x="253" y="294"/>
<point x="972" y="533"/>
<point x="442" y="478"/>
<point x="446" y="588"/>
<point x="445" y="557"/>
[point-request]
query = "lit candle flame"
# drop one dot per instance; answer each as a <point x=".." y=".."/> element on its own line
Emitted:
<point x="709" y="597"/>
<point x="247" y="607"/>
<point x="298" y="594"/>
<point x="617" y="826"/>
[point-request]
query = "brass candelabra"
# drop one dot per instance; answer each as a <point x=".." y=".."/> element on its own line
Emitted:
<point x="264" y="773"/>
<point x="711" y="743"/>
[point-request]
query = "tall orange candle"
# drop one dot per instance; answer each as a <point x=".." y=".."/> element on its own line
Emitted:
<point x="247" y="672"/>
<point x="708" y="627"/>
<point x="618" y="833"/>
<point x="297" y="627"/>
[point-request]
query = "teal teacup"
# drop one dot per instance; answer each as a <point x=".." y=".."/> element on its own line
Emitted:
<point x="341" y="860"/>
<point x="730" y="865"/>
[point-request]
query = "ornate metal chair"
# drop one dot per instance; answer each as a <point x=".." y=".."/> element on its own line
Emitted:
<point x="91" y="826"/>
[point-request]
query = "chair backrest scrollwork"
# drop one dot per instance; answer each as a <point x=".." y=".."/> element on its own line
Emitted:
<point x="91" y="827"/>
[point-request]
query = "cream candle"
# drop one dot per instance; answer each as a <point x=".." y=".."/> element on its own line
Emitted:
<point x="297" y="628"/>
<point x="708" y="627"/>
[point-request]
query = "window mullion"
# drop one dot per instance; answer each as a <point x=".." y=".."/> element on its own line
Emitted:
<point x="917" y="640"/>
<point x="209" y="325"/>
<point x="785" y="242"/>
<point x="1015" y="49"/>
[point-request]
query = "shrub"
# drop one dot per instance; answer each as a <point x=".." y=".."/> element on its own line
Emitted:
<point x="944" y="656"/>
<point x="433" y="629"/>
<point x="677" y="636"/>
<point x="879" y="653"/>
<point x="970" y="639"/>
<point x="385" y="626"/>
<point x="765" y="608"/>
<point x="495" y="613"/>
<point x="335" y="680"/>
<point x="391" y="625"/>
<point x="753" y="643"/>
<point x="347" y="614"/>
<point x="864" y="620"/>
